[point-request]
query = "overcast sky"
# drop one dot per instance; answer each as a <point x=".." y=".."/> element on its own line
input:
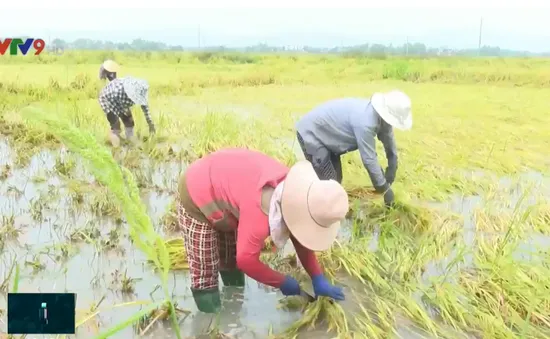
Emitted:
<point x="516" y="28"/>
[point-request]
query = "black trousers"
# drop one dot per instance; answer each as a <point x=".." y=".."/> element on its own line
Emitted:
<point x="114" y="120"/>
<point x="326" y="164"/>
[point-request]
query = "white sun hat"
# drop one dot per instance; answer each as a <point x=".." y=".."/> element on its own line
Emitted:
<point x="136" y="89"/>
<point x="110" y="66"/>
<point x="394" y="107"/>
<point x="312" y="208"/>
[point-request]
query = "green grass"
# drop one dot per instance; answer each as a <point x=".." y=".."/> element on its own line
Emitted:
<point x="475" y="121"/>
<point x="457" y="127"/>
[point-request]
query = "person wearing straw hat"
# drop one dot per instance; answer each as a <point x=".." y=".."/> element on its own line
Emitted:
<point x="108" y="70"/>
<point x="232" y="200"/>
<point x="116" y="99"/>
<point x="343" y="125"/>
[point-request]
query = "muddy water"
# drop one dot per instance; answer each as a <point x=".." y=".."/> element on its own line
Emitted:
<point x="94" y="272"/>
<point x="521" y="193"/>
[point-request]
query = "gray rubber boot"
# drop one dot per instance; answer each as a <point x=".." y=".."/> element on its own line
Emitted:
<point x="129" y="132"/>
<point x="114" y="138"/>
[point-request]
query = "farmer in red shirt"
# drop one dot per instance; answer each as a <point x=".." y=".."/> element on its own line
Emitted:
<point x="230" y="201"/>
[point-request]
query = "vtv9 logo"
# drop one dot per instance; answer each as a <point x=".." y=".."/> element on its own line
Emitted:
<point x="17" y="45"/>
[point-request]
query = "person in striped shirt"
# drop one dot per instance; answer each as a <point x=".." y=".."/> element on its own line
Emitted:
<point x="116" y="99"/>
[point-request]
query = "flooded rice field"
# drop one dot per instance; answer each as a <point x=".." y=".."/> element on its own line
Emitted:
<point x="66" y="234"/>
<point x="65" y="243"/>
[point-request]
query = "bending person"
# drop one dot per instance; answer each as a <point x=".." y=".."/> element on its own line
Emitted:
<point x="231" y="200"/>
<point x="339" y="126"/>
<point x="116" y="99"/>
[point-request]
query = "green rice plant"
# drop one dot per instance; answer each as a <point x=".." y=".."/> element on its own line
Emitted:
<point x="161" y="313"/>
<point x="135" y="318"/>
<point x="322" y="308"/>
<point x="120" y="182"/>
<point x="93" y="311"/>
<point x="15" y="286"/>
<point x="177" y="254"/>
<point x="410" y="238"/>
<point x="170" y="219"/>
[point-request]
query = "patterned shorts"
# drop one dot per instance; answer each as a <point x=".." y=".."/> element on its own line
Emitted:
<point x="326" y="164"/>
<point x="208" y="250"/>
<point x="114" y="120"/>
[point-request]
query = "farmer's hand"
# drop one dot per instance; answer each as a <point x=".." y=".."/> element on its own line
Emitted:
<point x="290" y="286"/>
<point x="322" y="287"/>
<point x="389" y="198"/>
<point x="390" y="175"/>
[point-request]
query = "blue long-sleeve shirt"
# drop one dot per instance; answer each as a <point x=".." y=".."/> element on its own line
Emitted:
<point x="349" y="124"/>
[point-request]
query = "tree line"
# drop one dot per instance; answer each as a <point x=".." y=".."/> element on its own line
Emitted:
<point x="413" y="49"/>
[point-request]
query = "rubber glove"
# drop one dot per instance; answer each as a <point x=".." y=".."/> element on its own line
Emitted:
<point x="390" y="174"/>
<point x="389" y="198"/>
<point x="290" y="286"/>
<point x="322" y="287"/>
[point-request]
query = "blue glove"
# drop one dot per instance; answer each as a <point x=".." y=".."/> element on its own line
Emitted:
<point x="322" y="287"/>
<point x="290" y="286"/>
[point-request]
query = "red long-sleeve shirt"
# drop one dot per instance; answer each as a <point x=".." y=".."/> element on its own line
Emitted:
<point x="226" y="186"/>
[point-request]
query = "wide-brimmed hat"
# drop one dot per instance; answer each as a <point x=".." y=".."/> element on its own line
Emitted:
<point x="110" y="66"/>
<point x="136" y="89"/>
<point x="312" y="208"/>
<point x="394" y="107"/>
